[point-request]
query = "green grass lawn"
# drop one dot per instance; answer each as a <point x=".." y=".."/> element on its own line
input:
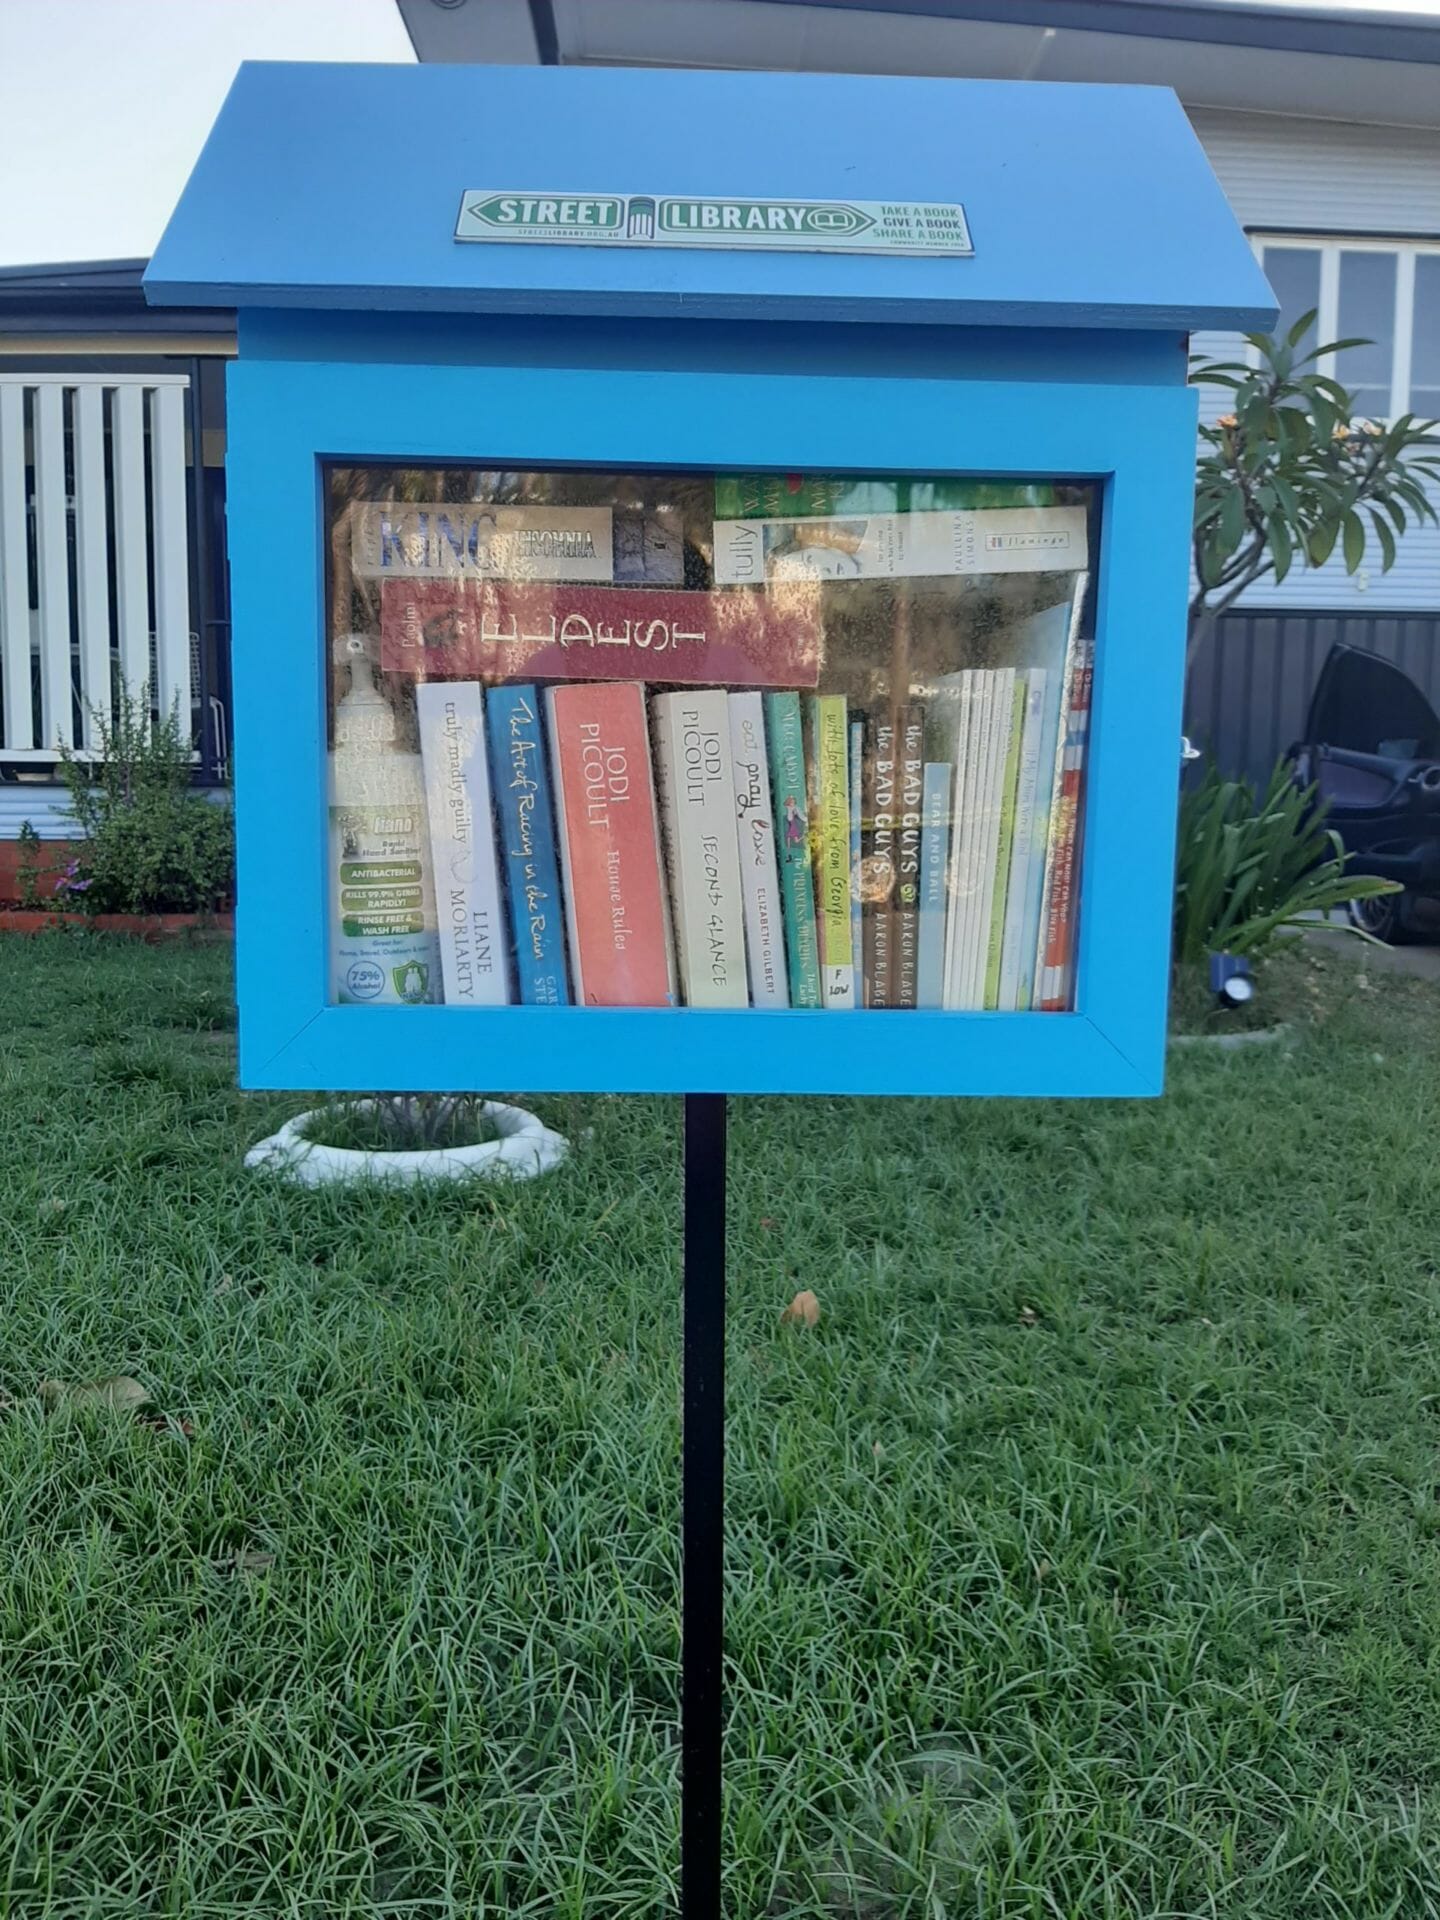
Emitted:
<point x="1085" y="1559"/>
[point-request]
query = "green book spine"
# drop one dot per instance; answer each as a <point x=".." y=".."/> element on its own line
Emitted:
<point x="797" y="887"/>
<point x="1011" y="781"/>
<point x="790" y="496"/>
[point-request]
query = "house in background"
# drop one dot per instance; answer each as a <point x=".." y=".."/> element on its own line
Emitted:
<point x="1323" y="125"/>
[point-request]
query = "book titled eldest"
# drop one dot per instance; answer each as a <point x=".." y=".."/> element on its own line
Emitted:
<point x="520" y="777"/>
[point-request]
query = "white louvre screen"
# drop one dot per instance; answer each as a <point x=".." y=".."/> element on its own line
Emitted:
<point x="94" y="571"/>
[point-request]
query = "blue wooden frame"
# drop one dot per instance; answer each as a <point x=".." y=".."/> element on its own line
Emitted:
<point x="484" y="398"/>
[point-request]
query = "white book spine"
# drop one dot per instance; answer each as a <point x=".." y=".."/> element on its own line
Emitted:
<point x="759" y="871"/>
<point x="693" y="760"/>
<point x="474" y="942"/>
<point x="975" y="900"/>
<point x="1022" y="845"/>
<point x="957" y="908"/>
<point x="986" y="834"/>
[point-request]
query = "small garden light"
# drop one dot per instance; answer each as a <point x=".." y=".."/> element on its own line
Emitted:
<point x="1231" y="980"/>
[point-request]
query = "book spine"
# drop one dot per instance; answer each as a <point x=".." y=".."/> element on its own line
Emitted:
<point x="999" y="695"/>
<point x="1047" y="788"/>
<point x="473" y="960"/>
<point x="857" y="792"/>
<point x="830" y="734"/>
<point x="527" y="629"/>
<point x="939" y="779"/>
<point x="879" y="864"/>
<point x="521" y="780"/>
<point x="785" y="739"/>
<point x="1060" y="918"/>
<point x="907" y="857"/>
<point x="963" y="857"/>
<point x="1022" y="845"/>
<point x="759" y="869"/>
<point x="609" y="846"/>
<point x="697" y="801"/>
<point x="1009" y="784"/>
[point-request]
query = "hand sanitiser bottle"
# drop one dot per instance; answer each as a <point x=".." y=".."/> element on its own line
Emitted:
<point x="384" y="950"/>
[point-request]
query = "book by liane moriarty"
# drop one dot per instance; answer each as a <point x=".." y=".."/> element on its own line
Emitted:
<point x="474" y="957"/>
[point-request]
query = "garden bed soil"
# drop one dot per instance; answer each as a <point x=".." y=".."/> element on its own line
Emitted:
<point x="152" y="928"/>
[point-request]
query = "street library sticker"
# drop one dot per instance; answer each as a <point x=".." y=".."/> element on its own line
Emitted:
<point x="677" y="220"/>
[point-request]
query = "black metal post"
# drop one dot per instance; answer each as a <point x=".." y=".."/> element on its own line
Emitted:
<point x="703" y="1476"/>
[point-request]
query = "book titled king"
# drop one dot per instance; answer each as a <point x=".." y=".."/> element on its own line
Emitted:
<point x="473" y="957"/>
<point x="609" y="846"/>
<point x="697" y="810"/>
<point x="520" y="778"/>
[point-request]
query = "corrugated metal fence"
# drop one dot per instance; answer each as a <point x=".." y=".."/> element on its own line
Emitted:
<point x="1252" y="681"/>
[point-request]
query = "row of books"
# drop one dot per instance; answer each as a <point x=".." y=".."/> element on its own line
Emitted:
<point x="600" y="846"/>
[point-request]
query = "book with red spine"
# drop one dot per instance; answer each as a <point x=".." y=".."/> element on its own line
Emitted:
<point x="1059" y="920"/>
<point x="615" y="907"/>
<point x="501" y="630"/>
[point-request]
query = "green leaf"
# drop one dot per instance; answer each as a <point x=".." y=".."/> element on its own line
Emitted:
<point x="1278" y="540"/>
<point x="1320" y="541"/>
<point x="1231" y="529"/>
<point x="1387" y="542"/>
<point x="1354" y="541"/>
<point x="1301" y="327"/>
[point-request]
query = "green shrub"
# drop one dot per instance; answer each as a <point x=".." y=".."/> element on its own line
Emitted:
<point x="1245" y="869"/>
<point x="151" y="844"/>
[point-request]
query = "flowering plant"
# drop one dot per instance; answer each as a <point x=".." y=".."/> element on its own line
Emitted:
<point x="1289" y="471"/>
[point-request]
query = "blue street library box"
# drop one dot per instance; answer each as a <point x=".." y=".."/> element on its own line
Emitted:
<point x="709" y="554"/>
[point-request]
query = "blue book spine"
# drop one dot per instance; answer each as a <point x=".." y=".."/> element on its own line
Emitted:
<point x="857" y="933"/>
<point x="934" y="857"/>
<point x="520" y="773"/>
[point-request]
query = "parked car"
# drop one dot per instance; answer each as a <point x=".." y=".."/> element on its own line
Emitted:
<point x="1372" y="748"/>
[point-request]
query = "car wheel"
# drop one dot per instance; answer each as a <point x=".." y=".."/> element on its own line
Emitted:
<point x="1382" y="917"/>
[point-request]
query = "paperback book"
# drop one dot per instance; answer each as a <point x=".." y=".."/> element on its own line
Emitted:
<point x="1055" y="986"/>
<point x="759" y="868"/>
<point x="473" y="944"/>
<point x="695" y="778"/>
<point x="789" y="786"/>
<point x="498" y="630"/>
<point x="878" y="864"/>
<point x="520" y="776"/>
<point x="616" y="914"/>
<point x="831" y="761"/>
<point x="939" y="781"/>
<point x="911" y="776"/>
<point x="888" y="546"/>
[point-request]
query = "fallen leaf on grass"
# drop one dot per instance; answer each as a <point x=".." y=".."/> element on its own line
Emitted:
<point x="166" y="1423"/>
<point x="243" y="1561"/>
<point x="803" y="1311"/>
<point x="120" y="1393"/>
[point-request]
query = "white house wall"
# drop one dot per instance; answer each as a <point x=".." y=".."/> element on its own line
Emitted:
<point x="1329" y="178"/>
